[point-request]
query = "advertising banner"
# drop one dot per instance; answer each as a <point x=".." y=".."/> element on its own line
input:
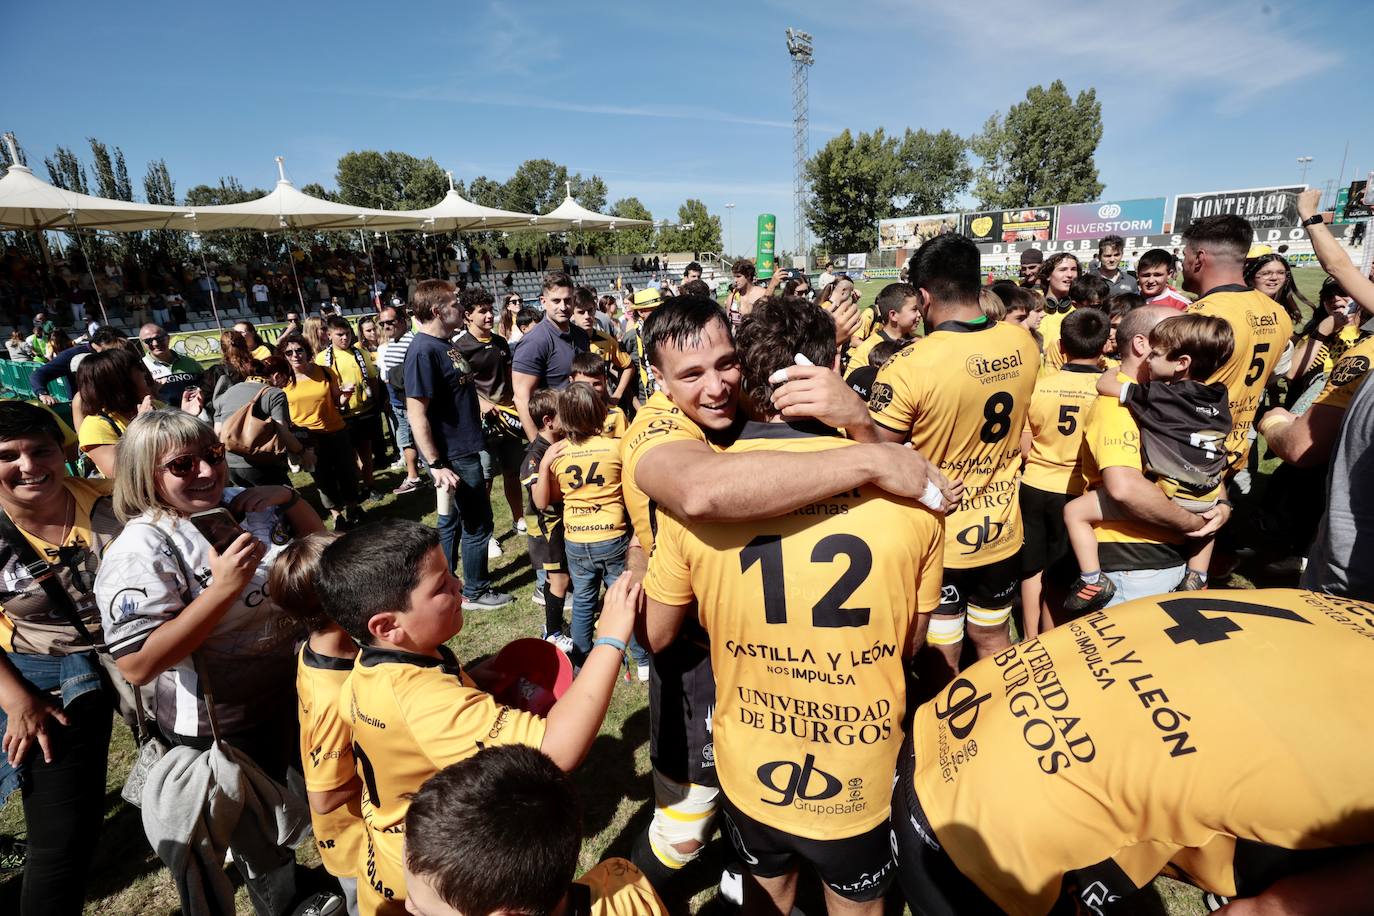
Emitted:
<point x="767" y="237"/>
<point x="1137" y="245"/>
<point x="912" y="231"/>
<point x="1121" y="217"/>
<point x="1028" y="224"/>
<point x="857" y="261"/>
<point x="1356" y="202"/>
<point x="1265" y="208"/>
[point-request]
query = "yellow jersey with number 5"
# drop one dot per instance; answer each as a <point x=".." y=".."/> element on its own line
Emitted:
<point x="810" y="617"/>
<point x="961" y="396"/>
<point x="1058" y="411"/>
<point x="589" y="474"/>
<point x="1262" y="330"/>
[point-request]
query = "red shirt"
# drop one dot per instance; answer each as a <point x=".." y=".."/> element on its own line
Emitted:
<point x="1172" y="298"/>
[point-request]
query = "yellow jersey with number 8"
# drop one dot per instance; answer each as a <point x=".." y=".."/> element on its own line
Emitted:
<point x="961" y="395"/>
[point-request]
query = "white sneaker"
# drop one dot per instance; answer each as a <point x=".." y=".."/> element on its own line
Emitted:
<point x="493" y="549"/>
<point x="732" y="886"/>
<point x="537" y="597"/>
<point x="520" y="525"/>
<point x="562" y="640"/>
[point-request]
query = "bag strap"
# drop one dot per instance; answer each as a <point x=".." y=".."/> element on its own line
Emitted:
<point x="45" y="574"/>
<point x="206" y="690"/>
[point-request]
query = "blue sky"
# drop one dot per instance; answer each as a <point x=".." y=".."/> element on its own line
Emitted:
<point x="670" y="101"/>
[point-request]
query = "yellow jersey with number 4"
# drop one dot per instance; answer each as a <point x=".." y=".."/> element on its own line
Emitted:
<point x="1057" y="413"/>
<point x="810" y="616"/>
<point x="1214" y="736"/>
<point x="961" y="395"/>
<point x="1262" y="330"/>
<point x="589" y="474"/>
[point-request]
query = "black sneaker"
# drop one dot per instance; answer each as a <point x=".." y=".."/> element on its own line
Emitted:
<point x="321" y="904"/>
<point x="488" y="600"/>
<point x="1089" y="596"/>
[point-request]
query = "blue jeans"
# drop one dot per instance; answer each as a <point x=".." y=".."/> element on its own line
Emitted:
<point x="471" y="511"/>
<point x="590" y="566"/>
<point x="1144" y="583"/>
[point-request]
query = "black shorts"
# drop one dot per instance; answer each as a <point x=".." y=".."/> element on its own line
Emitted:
<point x="858" y="868"/>
<point x="989" y="587"/>
<point x="1047" y="538"/>
<point x="546" y="552"/>
<point x="931" y="882"/>
<point x="682" y="698"/>
<point x="364" y="428"/>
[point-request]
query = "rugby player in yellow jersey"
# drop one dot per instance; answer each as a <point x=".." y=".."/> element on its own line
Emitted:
<point x="896" y="306"/>
<point x="499" y="833"/>
<point x="960" y="396"/>
<point x="1053" y="471"/>
<point x="1214" y="250"/>
<point x="412" y="708"/>
<point x="672" y="462"/>
<point x="1208" y="736"/>
<point x="1307" y="440"/>
<point x="810" y="616"/>
<point x="602" y="344"/>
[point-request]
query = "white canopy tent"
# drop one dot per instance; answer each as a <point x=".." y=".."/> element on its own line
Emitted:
<point x="456" y="213"/>
<point x="570" y="215"/>
<point x="29" y="202"/>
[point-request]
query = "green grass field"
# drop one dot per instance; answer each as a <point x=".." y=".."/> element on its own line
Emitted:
<point x="128" y="879"/>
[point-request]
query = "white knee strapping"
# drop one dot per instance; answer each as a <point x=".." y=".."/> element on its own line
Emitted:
<point x="983" y="617"/>
<point x="683" y="813"/>
<point x="945" y="629"/>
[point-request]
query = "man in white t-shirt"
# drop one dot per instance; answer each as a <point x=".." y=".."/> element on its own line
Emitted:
<point x="260" y="296"/>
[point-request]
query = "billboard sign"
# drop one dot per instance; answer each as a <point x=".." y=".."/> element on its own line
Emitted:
<point x="1120" y="217"/>
<point x="1356" y="206"/>
<point x="1028" y="224"/>
<point x="1137" y="244"/>
<point x="912" y="231"/>
<point x="857" y="261"/>
<point x="1265" y="208"/>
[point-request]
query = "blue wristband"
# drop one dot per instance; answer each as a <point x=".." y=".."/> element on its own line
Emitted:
<point x="610" y="641"/>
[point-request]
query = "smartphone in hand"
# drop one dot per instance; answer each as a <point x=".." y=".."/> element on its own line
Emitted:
<point x="218" y="527"/>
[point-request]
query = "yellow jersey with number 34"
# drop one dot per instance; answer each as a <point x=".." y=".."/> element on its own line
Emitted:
<point x="961" y="395"/>
<point x="589" y="474"/>
<point x="1218" y="736"/>
<point x="1262" y="330"/>
<point x="810" y="616"/>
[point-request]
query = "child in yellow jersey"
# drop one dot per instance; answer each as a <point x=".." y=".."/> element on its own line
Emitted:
<point x="544" y="527"/>
<point x="500" y="833"/>
<point x="1053" y="472"/>
<point x="615" y="362"/>
<point x="583" y="469"/>
<point x="590" y="368"/>
<point x="412" y="708"/>
<point x="326" y="737"/>
<point x="1183" y="426"/>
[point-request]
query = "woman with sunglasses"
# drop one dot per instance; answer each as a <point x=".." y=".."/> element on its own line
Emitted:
<point x="115" y="387"/>
<point x="505" y="325"/>
<point x="196" y="620"/>
<point x="54" y="703"/>
<point x="315" y="401"/>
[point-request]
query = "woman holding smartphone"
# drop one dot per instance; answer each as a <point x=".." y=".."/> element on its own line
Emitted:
<point x="183" y="600"/>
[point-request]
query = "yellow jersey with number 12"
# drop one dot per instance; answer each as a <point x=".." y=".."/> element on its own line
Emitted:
<point x="961" y="394"/>
<point x="810" y="616"/>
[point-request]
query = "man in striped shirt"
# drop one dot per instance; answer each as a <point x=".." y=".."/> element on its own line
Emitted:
<point x="391" y="356"/>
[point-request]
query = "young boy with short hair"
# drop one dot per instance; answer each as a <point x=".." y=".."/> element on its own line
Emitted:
<point x="1152" y="272"/>
<point x="323" y="665"/>
<point x="603" y="345"/>
<point x="413" y="709"/>
<point x="896" y="308"/>
<point x="591" y="368"/>
<point x="544" y="527"/>
<point x="1183" y="424"/>
<point x="500" y="832"/>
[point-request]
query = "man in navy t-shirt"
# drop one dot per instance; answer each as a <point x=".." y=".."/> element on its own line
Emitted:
<point x="544" y="357"/>
<point x="446" y="421"/>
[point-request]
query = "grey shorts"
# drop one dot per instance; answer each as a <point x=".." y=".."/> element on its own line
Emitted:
<point x="502" y="455"/>
<point x="404" y="437"/>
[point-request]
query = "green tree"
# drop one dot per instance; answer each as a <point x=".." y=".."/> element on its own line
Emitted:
<point x="853" y="182"/>
<point x="389" y="181"/>
<point x="315" y="189"/>
<point x="66" y="171"/>
<point x="112" y="182"/>
<point x="237" y="246"/>
<point x="537" y="186"/>
<point x="703" y="235"/>
<point x="1042" y="151"/>
<point x="158" y="188"/>
<point x="932" y="171"/>
<point x="486" y="192"/>
<point x="631" y="241"/>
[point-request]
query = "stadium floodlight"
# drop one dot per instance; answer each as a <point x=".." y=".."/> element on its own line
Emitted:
<point x="799" y="47"/>
<point x="1304" y="161"/>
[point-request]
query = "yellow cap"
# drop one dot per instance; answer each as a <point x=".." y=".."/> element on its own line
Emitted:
<point x="646" y="299"/>
<point x="1259" y="251"/>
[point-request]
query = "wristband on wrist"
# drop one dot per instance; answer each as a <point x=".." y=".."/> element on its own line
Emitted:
<point x="611" y="641"/>
<point x="1270" y="423"/>
<point x="1226" y="502"/>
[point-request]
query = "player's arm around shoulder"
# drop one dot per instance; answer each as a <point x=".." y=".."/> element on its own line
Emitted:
<point x="668" y="594"/>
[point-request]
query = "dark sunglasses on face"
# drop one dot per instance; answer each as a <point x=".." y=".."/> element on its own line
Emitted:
<point x="386" y="324"/>
<point x="184" y="465"/>
<point x="293" y="351"/>
<point x="154" y="339"/>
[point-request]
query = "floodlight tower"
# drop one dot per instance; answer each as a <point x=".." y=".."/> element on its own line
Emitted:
<point x="799" y="47"/>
